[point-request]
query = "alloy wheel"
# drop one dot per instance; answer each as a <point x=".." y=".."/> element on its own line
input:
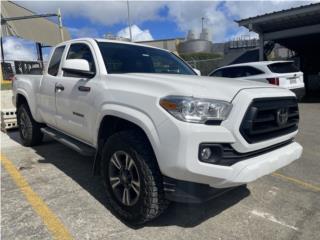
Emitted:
<point x="124" y="178"/>
<point x="24" y="124"/>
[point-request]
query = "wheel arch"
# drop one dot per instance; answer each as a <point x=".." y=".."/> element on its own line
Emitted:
<point x="115" y="120"/>
<point x="22" y="97"/>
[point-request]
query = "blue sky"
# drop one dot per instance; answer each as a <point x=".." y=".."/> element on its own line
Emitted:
<point x="150" y="19"/>
<point x="161" y="28"/>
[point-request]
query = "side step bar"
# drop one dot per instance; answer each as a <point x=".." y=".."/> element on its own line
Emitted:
<point x="74" y="144"/>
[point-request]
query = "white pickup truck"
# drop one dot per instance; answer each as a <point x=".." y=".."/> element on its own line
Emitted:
<point x="158" y="131"/>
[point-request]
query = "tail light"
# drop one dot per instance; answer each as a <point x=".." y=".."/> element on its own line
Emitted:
<point x="274" y="81"/>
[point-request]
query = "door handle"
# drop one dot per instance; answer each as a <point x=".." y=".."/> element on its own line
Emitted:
<point x="84" y="89"/>
<point x="59" y="88"/>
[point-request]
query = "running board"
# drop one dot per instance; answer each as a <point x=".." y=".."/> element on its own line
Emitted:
<point x="72" y="143"/>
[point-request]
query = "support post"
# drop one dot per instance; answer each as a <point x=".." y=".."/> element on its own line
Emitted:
<point x="261" y="47"/>
<point x="39" y="53"/>
<point x="60" y="25"/>
<point x="2" y="53"/>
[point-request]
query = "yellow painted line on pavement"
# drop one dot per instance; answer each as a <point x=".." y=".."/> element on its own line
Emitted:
<point x="52" y="222"/>
<point x="297" y="181"/>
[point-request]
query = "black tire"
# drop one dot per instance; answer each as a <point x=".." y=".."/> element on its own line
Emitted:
<point x="151" y="202"/>
<point x="29" y="129"/>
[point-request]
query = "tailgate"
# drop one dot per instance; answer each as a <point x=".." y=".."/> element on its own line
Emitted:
<point x="291" y="80"/>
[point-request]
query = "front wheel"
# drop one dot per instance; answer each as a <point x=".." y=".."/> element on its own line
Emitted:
<point x="132" y="178"/>
<point x="29" y="129"/>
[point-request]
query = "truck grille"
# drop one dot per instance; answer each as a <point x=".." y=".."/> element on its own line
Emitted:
<point x="269" y="118"/>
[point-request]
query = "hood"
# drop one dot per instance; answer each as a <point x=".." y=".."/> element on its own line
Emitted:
<point x="185" y="85"/>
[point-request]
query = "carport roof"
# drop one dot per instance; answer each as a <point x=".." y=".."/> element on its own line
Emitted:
<point x="286" y="19"/>
<point x="40" y="30"/>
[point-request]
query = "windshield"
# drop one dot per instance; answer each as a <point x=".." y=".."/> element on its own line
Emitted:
<point x="127" y="58"/>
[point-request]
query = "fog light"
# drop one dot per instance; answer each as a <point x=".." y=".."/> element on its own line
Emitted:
<point x="205" y="153"/>
<point x="210" y="152"/>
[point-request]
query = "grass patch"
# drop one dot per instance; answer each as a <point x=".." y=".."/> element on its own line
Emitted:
<point x="6" y="86"/>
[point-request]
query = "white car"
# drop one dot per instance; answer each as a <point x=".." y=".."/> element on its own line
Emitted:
<point x="158" y="132"/>
<point x="281" y="73"/>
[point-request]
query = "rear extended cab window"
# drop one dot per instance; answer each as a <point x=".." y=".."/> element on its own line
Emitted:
<point x="55" y="61"/>
<point x="283" y="67"/>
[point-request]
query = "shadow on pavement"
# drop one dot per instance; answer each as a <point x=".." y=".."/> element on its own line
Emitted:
<point x="79" y="168"/>
<point x="313" y="97"/>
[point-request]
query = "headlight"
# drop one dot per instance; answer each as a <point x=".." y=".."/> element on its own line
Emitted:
<point x="196" y="110"/>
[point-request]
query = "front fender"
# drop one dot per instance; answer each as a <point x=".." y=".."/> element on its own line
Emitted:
<point x="141" y="119"/>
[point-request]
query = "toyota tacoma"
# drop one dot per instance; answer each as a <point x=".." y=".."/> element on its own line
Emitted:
<point x="157" y="130"/>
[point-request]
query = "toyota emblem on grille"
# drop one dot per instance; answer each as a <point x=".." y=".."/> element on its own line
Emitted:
<point x="282" y="116"/>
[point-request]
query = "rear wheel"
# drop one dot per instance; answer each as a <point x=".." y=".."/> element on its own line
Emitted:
<point x="132" y="178"/>
<point x="29" y="129"/>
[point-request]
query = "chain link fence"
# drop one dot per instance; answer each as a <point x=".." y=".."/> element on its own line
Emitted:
<point x="205" y="66"/>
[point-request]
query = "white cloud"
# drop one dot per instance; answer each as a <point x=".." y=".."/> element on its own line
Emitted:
<point x="17" y="49"/>
<point x="245" y="9"/>
<point x="219" y="16"/>
<point x="187" y="15"/>
<point x="102" y="12"/>
<point x="137" y="33"/>
<point x="83" y="32"/>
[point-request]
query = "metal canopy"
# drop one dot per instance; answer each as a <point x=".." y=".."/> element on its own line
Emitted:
<point x="297" y="29"/>
<point x="288" y="27"/>
<point x="285" y="19"/>
<point x="40" y="30"/>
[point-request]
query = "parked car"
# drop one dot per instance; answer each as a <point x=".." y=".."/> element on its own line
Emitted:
<point x="281" y="73"/>
<point x="158" y="131"/>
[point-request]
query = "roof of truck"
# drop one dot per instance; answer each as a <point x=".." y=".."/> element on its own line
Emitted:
<point x="110" y="41"/>
<point x="124" y="42"/>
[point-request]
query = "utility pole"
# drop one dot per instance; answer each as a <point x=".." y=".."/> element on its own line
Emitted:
<point x="129" y="22"/>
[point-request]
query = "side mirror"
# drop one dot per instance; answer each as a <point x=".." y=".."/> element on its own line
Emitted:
<point x="197" y="71"/>
<point x="77" y="68"/>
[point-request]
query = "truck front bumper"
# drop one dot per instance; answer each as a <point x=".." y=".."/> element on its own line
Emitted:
<point x="178" y="156"/>
<point x="249" y="170"/>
